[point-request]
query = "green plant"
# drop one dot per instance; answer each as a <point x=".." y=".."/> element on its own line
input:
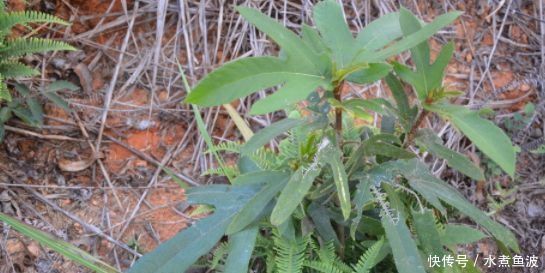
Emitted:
<point x="330" y="180"/>
<point x="28" y="109"/>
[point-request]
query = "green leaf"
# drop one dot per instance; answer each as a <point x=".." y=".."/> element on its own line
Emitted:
<point x="373" y="73"/>
<point x="242" y="77"/>
<point x="378" y="145"/>
<point x="460" y="234"/>
<point x="361" y="106"/>
<point x="36" y="110"/>
<point x="25" y="115"/>
<point x="299" y="54"/>
<point x="379" y="33"/>
<point x="427" y="76"/>
<point x="67" y="250"/>
<point x="329" y="19"/>
<point x="362" y="196"/>
<point x="293" y="193"/>
<point x="432" y="189"/>
<point x="5" y="114"/>
<point x="22" y="89"/>
<point x="266" y="134"/>
<point x="313" y="40"/>
<point x="61" y="86"/>
<point x="332" y="155"/>
<point x="490" y="139"/>
<point x="180" y="252"/>
<point x="2" y="132"/>
<point x="409" y="41"/>
<point x="276" y="182"/>
<point x="322" y="222"/>
<point x="289" y="94"/>
<point x="406" y="113"/>
<point x="433" y="144"/>
<point x="257" y="177"/>
<point x="426" y="230"/>
<point x="58" y="101"/>
<point x="241" y="246"/>
<point x="406" y="256"/>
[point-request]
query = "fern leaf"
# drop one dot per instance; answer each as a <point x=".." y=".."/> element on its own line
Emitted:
<point x="9" y="20"/>
<point x="323" y="267"/>
<point x="290" y="254"/>
<point x="229" y="171"/>
<point x="4" y="92"/>
<point x="21" y="46"/>
<point x="370" y="258"/>
<point x="264" y="158"/>
<point x="13" y="69"/>
<point x="227" y="146"/>
<point x="329" y="260"/>
<point x="218" y="255"/>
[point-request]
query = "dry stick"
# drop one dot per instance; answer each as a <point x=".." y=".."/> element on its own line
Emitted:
<point x="41" y="136"/>
<point x="15" y="185"/>
<point x="160" y="29"/>
<point x="489" y="61"/>
<point x="113" y="82"/>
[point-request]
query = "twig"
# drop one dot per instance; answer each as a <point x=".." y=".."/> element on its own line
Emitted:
<point x="41" y="136"/>
<point x="115" y="76"/>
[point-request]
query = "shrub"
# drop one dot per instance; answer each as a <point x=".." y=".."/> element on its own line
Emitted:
<point x="332" y="184"/>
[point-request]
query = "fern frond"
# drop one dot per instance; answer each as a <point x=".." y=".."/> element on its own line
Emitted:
<point x="229" y="171"/>
<point x="323" y="267"/>
<point x="13" y="69"/>
<point x="4" y="92"/>
<point x="328" y="257"/>
<point x="9" y="20"/>
<point x="21" y="46"/>
<point x="227" y="146"/>
<point x="290" y="254"/>
<point x="218" y="255"/>
<point x="289" y="148"/>
<point x="264" y="158"/>
<point x="370" y="258"/>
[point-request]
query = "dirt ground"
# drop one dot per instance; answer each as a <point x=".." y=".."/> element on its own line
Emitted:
<point x="99" y="167"/>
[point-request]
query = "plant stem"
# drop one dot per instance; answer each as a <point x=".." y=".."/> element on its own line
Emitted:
<point x="417" y="123"/>
<point x="337" y="92"/>
<point x="338" y="111"/>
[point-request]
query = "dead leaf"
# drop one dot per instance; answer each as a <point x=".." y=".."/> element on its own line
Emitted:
<point x="77" y="165"/>
<point x="85" y="77"/>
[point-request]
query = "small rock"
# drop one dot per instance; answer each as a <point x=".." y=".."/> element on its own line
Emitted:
<point x="14" y="246"/>
<point x="34" y="249"/>
<point x="534" y="210"/>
